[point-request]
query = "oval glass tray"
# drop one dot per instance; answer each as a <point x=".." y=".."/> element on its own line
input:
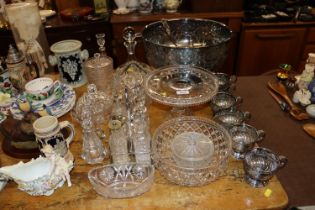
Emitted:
<point x="181" y="86"/>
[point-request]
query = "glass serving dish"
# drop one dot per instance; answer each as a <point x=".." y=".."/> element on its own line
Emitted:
<point x="122" y="180"/>
<point x="210" y="161"/>
<point x="181" y="86"/>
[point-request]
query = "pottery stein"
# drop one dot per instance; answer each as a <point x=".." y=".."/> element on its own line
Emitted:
<point x="47" y="130"/>
<point x="69" y="58"/>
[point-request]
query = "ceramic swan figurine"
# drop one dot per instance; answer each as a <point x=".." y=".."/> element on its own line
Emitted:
<point x="40" y="176"/>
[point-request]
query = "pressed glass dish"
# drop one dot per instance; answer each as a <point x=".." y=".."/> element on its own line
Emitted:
<point x="211" y="163"/>
<point x="122" y="180"/>
<point x="181" y="86"/>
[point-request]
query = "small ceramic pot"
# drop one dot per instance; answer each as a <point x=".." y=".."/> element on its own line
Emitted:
<point x="47" y="130"/>
<point x="121" y="3"/>
<point x="69" y="58"/>
<point x="41" y="88"/>
<point x="171" y="6"/>
<point x="145" y="6"/>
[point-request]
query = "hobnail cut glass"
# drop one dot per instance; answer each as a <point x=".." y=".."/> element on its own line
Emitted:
<point x="163" y="155"/>
<point x="192" y="149"/>
<point x="122" y="180"/>
<point x="181" y="86"/>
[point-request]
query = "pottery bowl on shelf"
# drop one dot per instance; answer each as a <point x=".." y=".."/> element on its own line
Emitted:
<point x="191" y="151"/>
<point x="196" y="42"/>
<point x="122" y="180"/>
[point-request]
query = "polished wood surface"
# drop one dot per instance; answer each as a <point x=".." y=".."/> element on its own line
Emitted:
<point x="228" y="192"/>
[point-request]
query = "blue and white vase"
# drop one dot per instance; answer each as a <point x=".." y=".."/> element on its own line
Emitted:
<point x="69" y="58"/>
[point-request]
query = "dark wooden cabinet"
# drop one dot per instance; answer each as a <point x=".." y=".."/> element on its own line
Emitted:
<point x="309" y="47"/>
<point x="57" y="29"/>
<point x="263" y="48"/>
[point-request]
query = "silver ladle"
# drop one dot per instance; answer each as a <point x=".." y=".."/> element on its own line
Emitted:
<point x="167" y="31"/>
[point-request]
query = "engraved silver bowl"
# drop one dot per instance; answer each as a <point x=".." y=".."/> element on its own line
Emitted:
<point x="195" y="42"/>
<point x="224" y="100"/>
<point x="260" y="164"/>
<point x="229" y="118"/>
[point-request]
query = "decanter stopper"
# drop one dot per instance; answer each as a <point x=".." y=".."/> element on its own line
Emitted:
<point x="100" y="39"/>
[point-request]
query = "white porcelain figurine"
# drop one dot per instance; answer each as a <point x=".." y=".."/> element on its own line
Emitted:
<point x="40" y="176"/>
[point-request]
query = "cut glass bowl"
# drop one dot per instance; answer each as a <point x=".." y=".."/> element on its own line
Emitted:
<point x="181" y="86"/>
<point x="206" y="165"/>
<point x="122" y="180"/>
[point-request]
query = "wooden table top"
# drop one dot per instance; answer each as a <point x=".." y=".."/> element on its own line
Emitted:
<point x="228" y="192"/>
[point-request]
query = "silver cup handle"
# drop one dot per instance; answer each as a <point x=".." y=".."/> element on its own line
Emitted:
<point x="283" y="161"/>
<point x="261" y="135"/>
<point x="232" y="79"/>
<point x="247" y="115"/>
<point x="238" y="100"/>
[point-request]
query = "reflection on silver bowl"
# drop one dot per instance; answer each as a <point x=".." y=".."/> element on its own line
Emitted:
<point x="199" y="42"/>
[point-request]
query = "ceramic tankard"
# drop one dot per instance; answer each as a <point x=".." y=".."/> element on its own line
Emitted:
<point x="47" y="130"/>
<point x="69" y="58"/>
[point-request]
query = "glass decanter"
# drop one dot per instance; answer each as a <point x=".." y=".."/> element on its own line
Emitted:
<point x="118" y="140"/>
<point x="100" y="109"/>
<point x="128" y="88"/>
<point x="92" y="151"/>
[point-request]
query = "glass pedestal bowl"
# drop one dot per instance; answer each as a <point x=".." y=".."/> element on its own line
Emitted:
<point x="191" y="151"/>
<point x="122" y="180"/>
<point x="181" y="86"/>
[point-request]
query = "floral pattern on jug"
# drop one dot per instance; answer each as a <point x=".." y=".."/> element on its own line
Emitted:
<point x="71" y="67"/>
